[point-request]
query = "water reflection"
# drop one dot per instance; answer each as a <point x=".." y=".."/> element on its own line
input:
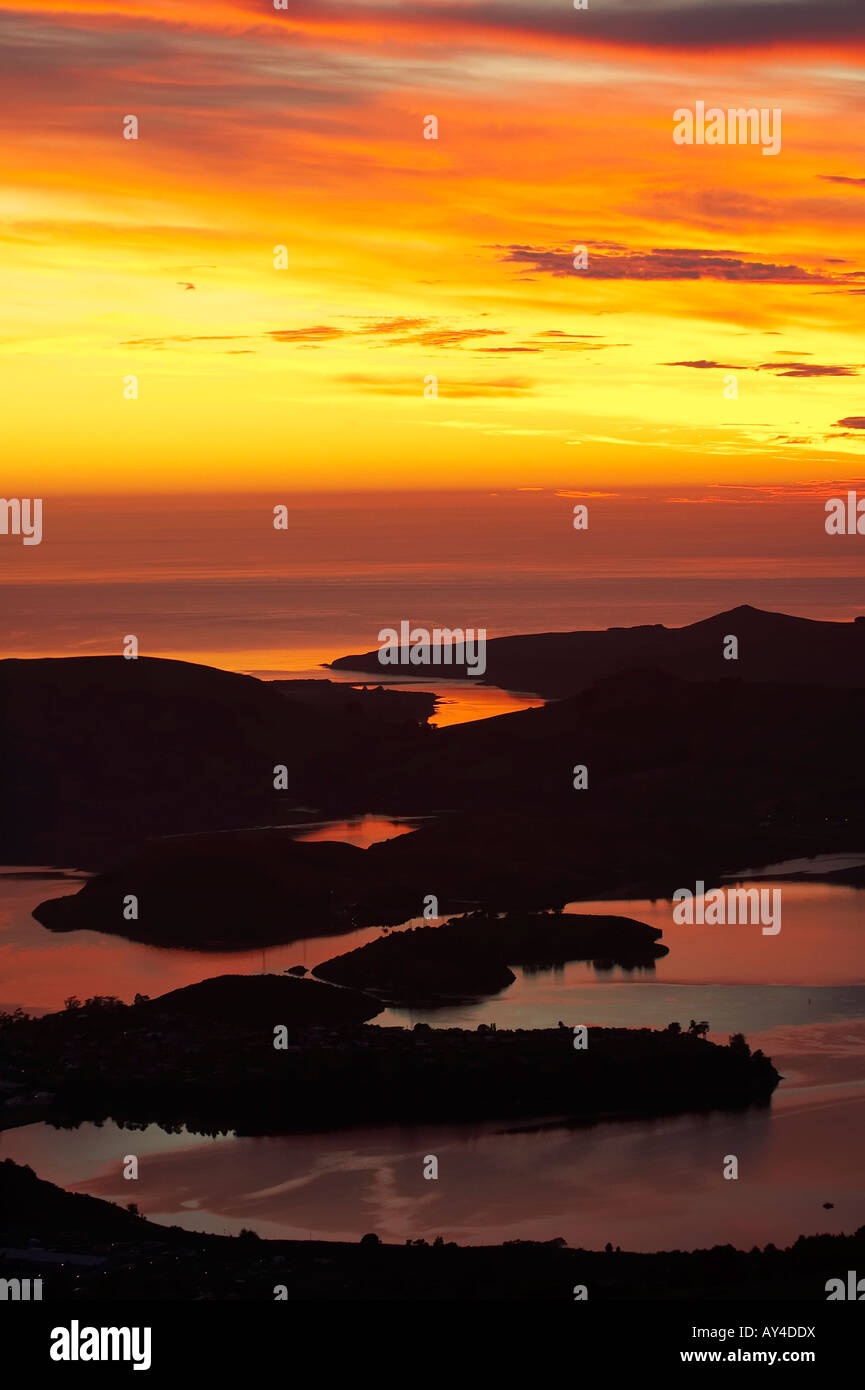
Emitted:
<point x="642" y="1184"/>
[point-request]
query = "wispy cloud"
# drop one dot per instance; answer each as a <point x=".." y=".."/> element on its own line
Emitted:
<point x="666" y="263"/>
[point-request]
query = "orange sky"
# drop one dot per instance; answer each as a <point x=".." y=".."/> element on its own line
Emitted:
<point x="410" y="258"/>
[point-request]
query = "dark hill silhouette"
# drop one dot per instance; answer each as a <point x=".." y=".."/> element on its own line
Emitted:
<point x="100" y="752"/>
<point x="246" y="887"/>
<point x="251" y="998"/>
<point x="138" y="1259"/>
<point x="772" y="647"/>
<point x="686" y="780"/>
<point x="178" y="1063"/>
<point x="472" y="955"/>
<point x="371" y="703"/>
<point x="646" y="738"/>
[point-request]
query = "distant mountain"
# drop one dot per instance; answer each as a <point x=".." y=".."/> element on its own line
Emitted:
<point x="370" y="704"/>
<point x="772" y="647"/>
<point x="646" y="739"/>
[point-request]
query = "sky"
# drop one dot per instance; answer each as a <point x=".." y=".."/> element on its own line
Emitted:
<point x="409" y="259"/>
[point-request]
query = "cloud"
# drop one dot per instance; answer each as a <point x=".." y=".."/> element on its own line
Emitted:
<point x="508" y="349"/>
<point x="800" y="370"/>
<point x="559" y="333"/>
<point x="413" y="386"/>
<point x="842" y="178"/>
<point x="402" y="332"/>
<point x="395" y="325"/>
<point x="704" y="365"/>
<point x="320" y="333"/>
<point x="852" y="422"/>
<point x="666" y="263"/>
<point x="700" y="25"/>
<point x="448" y="337"/>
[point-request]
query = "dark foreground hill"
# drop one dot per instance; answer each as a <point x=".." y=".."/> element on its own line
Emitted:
<point x="132" y="1258"/>
<point x="772" y="647"/>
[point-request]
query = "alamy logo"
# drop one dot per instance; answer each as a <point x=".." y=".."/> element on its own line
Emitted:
<point x="22" y="516"/>
<point x="845" y="521"/>
<point x="736" y="126"/>
<point x="77" y="1343"/>
<point x="728" y="905"/>
<point x="443" y="646"/>
<point x="18" y="1290"/>
<point x="854" y="1292"/>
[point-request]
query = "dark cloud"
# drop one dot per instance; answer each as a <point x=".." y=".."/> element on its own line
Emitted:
<point x="665" y="263"/>
<point x="704" y="365"/>
<point x="852" y="422"/>
<point x="320" y="333"/>
<point x="425" y="332"/>
<point x="806" y="369"/>
<point x="842" y="178"/>
<point x="447" y="337"/>
<point x="398" y="325"/>
<point x="395" y="332"/>
<point x="695" y="25"/>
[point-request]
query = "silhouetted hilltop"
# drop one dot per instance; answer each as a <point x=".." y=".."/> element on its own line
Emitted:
<point x="155" y="1062"/>
<point x="471" y="955"/>
<point x="683" y="780"/>
<point x="244" y="887"/>
<point x="251" y="998"/>
<point x="772" y="647"/>
<point x="650" y="738"/>
<point x="99" y="752"/>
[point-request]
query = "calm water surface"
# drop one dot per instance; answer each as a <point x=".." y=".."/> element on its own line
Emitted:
<point x="644" y="1184"/>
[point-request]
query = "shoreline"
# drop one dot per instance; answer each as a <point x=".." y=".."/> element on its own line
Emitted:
<point x="109" y="1252"/>
<point x="226" y="1054"/>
